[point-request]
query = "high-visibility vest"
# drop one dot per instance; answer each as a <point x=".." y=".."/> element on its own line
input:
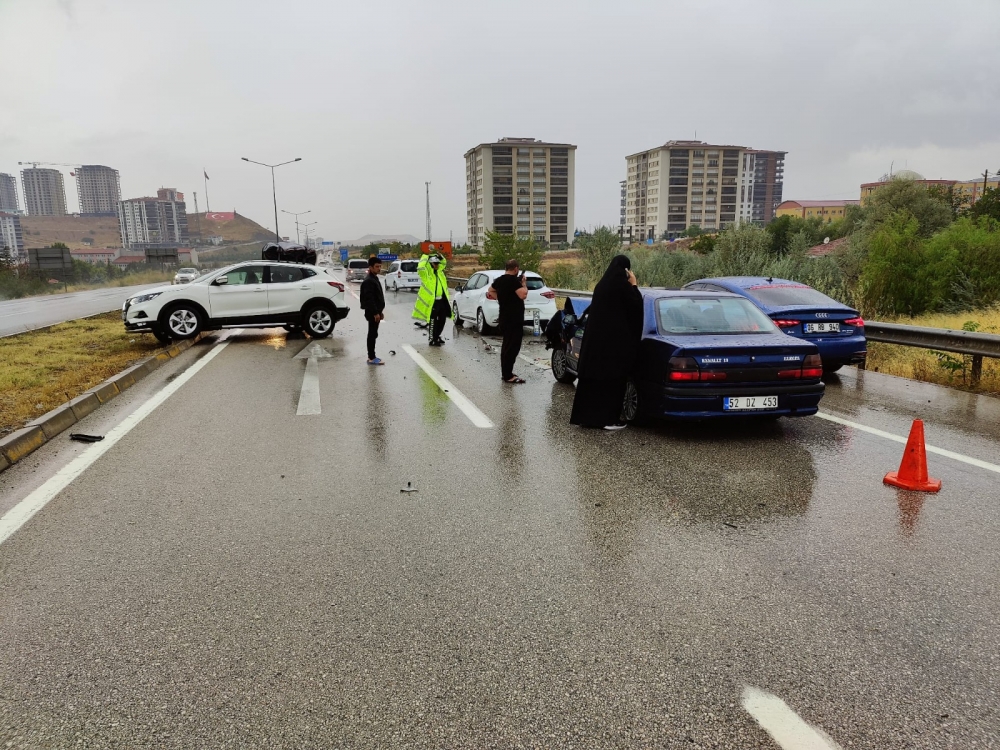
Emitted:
<point x="431" y="286"/>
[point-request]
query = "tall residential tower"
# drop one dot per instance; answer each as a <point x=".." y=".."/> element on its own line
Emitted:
<point x="8" y="194"/>
<point x="44" y="192"/>
<point x="523" y="178"/>
<point x="99" y="190"/>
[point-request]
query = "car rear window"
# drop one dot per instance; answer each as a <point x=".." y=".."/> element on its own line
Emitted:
<point x="409" y="266"/>
<point x="535" y="283"/>
<point x="357" y="264"/>
<point x="780" y="295"/>
<point x="691" y="315"/>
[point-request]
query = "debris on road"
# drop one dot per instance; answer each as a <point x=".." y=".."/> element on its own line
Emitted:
<point x="79" y="436"/>
<point x="409" y="488"/>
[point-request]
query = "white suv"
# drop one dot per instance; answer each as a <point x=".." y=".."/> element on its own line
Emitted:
<point x="253" y="294"/>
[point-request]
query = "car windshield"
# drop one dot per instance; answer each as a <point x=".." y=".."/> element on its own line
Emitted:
<point x="693" y="315"/>
<point x="409" y="266"/>
<point x="188" y="270"/>
<point x="781" y="295"/>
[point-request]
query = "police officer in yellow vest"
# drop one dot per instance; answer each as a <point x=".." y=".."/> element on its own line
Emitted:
<point x="432" y="305"/>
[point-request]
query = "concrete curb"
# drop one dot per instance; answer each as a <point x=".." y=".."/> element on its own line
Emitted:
<point x="38" y="432"/>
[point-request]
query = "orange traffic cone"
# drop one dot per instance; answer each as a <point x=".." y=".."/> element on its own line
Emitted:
<point x="912" y="474"/>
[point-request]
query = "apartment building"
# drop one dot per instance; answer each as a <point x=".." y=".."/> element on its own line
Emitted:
<point x="693" y="183"/>
<point x="99" y="190"/>
<point x="154" y="222"/>
<point x="11" y="235"/>
<point x="44" y="192"/>
<point x="8" y="194"/>
<point x="520" y="186"/>
<point x="828" y="210"/>
<point x="971" y="190"/>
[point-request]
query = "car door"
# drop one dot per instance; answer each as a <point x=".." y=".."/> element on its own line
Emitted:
<point x="243" y="295"/>
<point x="288" y="288"/>
<point x="466" y="303"/>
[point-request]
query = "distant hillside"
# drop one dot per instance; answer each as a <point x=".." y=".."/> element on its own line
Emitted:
<point x="232" y="227"/>
<point x="370" y="238"/>
<point x="42" y="231"/>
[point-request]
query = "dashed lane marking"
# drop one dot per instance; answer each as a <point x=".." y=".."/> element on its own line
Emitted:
<point x="783" y="724"/>
<point x="541" y="364"/>
<point x="468" y="408"/>
<point x="901" y="439"/>
<point x="17" y="516"/>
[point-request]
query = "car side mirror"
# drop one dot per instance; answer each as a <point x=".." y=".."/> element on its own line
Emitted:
<point x="221" y="281"/>
<point x="459" y="288"/>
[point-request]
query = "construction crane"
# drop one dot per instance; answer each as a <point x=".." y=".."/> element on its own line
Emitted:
<point x="35" y="165"/>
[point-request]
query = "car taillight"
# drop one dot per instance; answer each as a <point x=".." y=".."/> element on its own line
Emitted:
<point x="812" y="366"/>
<point x="856" y="322"/>
<point x="549" y="295"/>
<point x="711" y="375"/>
<point x="785" y="374"/>
<point x="683" y="369"/>
<point x="399" y="274"/>
<point x="786" y="323"/>
<point x="336" y="285"/>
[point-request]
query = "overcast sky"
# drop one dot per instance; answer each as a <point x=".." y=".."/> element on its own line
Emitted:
<point x="379" y="96"/>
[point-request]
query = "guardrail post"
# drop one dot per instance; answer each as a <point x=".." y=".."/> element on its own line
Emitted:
<point x="977" y="369"/>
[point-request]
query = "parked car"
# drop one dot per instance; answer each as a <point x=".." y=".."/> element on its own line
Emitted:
<point x="469" y="302"/>
<point x="803" y="312"/>
<point x="252" y="294"/>
<point x="356" y="269"/>
<point x="402" y="274"/>
<point x="185" y="276"/>
<point x="703" y="355"/>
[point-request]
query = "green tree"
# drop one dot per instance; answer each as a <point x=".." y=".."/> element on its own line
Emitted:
<point x="932" y="210"/>
<point x="598" y="248"/>
<point x="780" y="231"/>
<point x="499" y="248"/>
<point x="987" y="206"/>
<point x="693" y="231"/>
<point x="743" y="250"/>
<point x="963" y="265"/>
<point x="704" y="244"/>
<point x="893" y="279"/>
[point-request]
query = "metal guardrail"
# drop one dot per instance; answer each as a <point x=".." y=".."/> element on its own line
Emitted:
<point x="977" y="345"/>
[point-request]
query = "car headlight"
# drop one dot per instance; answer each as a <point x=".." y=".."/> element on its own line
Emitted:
<point x="144" y="298"/>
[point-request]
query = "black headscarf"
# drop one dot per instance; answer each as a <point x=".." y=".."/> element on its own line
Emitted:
<point x="614" y="324"/>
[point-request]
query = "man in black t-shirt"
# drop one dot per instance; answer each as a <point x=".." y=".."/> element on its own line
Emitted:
<point x="510" y="290"/>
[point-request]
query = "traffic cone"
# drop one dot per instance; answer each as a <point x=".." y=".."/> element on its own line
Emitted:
<point x="912" y="474"/>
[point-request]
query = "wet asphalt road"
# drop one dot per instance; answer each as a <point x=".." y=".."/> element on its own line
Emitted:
<point x="20" y="315"/>
<point x="232" y="575"/>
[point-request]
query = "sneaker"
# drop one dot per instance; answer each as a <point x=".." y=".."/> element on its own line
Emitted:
<point x="376" y="361"/>
<point x="615" y="426"/>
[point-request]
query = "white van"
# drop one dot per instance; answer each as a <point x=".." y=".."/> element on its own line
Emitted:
<point x="356" y="269"/>
<point x="402" y="274"/>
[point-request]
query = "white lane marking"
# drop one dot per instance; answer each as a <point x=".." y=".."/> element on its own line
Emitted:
<point x="540" y="365"/>
<point x="783" y="724"/>
<point x="901" y="439"/>
<point x="309" y="396"/>
<point x="468" y="408"/>
<point x="17" y="516"/>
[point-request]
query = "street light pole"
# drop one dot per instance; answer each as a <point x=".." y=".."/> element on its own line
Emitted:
<point x="306" y="227"/>
<point x="274" y="192"/>
<point x="296" y="215"/>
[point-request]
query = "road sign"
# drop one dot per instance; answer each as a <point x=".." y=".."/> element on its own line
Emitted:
<point x="328" y="242"/>
<point x="387" y="256"/>
<point x="343" y="254"/>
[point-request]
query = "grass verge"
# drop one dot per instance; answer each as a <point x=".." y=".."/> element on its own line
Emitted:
<point x="40" y="370"/>
<point x="940" y="367"/>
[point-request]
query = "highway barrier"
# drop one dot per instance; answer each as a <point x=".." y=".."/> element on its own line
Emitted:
<point x="976" y="345"/>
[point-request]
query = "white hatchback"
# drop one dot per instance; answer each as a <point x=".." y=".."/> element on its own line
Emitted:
<point x="402" y="274"/>
<point x="252" y="294"/>
<point x="469" y="302"/>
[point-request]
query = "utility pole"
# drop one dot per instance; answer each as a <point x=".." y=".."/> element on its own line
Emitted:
<point x="208" y="205"/>
<point x="199" y="217"/>
<point x="427" y="185"/>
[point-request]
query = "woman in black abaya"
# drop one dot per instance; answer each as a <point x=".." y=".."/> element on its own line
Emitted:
<point x="609" y="348"/>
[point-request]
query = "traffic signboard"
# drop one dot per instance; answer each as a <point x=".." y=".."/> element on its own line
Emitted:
<point x="387" y="256"/>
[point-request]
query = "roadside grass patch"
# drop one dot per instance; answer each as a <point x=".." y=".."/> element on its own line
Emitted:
<point x="40" y="370"/>
<point x="940" y="367"/>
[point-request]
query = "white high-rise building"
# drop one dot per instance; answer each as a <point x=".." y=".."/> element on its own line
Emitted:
<point x="153" y="222"/>
<point x="8" y="194"/>
<point x="520" y="186"/>
<point x="11" y="236"/>
<point x="44" y="192"/>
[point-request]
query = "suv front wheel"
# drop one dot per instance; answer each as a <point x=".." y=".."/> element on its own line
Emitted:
<point x="182" y="321"/>
<point x="318" y="321"/>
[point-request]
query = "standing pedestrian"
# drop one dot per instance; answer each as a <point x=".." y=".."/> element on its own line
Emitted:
<point x="609" y="348"/>
<point x="510" y="291"/>
<point x="432" y="306"/>
<point x="373" y="303"/>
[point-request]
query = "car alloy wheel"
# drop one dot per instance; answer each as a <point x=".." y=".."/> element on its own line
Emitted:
<point x="319" y="322"/>
<point x="183" y="322"/>
<point x="456" y="318"/>
<point x="559" y="370"/>
<point x="481" y="326"/>
<point x="630" y="407"/>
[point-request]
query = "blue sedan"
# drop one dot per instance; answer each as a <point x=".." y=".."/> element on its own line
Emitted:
<point x="702" y="355"/>
<point x="801" y="311"/>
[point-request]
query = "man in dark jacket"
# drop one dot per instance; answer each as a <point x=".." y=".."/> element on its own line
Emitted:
<point x="373" y="303"/>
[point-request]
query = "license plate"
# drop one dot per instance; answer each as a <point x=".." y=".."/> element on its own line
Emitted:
<point x="749" y="403"/>
<point x="822" y="327"/>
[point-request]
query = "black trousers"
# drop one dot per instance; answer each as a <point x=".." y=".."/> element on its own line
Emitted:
<point x="372" y="335"/>
<point x="439" y="314"/>
<point x="513" y="334"/>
